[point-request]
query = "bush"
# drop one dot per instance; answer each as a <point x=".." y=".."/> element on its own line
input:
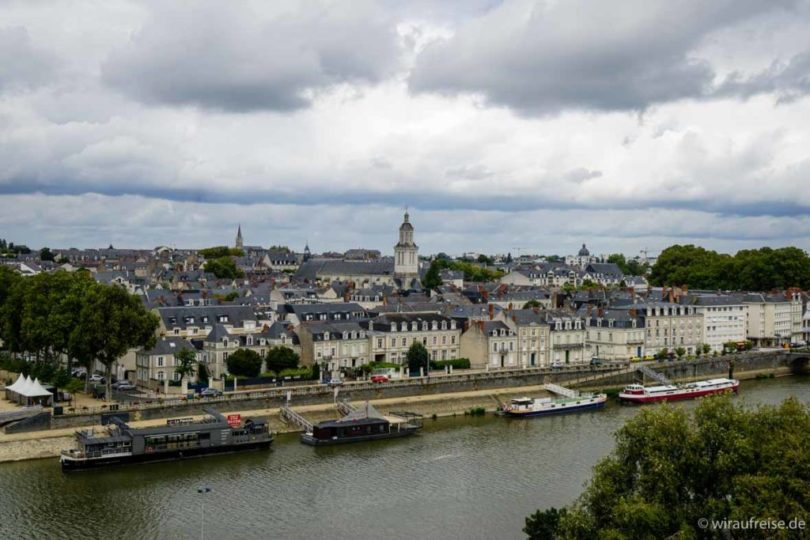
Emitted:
<point x="281" y="358"/>
<point x="457" y="363"/>
<point x="371" y="366"/>
<point x="245" y="363"/>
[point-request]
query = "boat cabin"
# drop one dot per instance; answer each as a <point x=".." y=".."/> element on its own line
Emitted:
<point x="345" y="430"/>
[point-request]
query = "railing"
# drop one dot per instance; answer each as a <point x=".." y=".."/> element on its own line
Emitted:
<point x="280" y="393"/>
<point x="344" y="407"/>
<point x="293" y="417"/>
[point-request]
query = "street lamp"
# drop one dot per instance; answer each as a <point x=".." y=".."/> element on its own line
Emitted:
<point x="202" y="490"/>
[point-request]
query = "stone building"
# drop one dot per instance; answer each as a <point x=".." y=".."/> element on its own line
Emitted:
<point x="490" y="344"/>
<point x="392" y="334"/>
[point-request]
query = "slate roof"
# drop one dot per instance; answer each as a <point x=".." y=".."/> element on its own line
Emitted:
<point x="169" y="345"/>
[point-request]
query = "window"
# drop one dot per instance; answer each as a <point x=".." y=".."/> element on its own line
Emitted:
<point x="160" y="361"/>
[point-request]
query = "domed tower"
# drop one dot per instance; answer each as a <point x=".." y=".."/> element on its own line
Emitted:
<point x="406" y="253"/>
<point x="584" y="252"/>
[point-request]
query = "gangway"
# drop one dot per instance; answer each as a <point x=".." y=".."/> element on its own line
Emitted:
<point x="344" y="406"/>
<point x="560" y="390"/>
<point x="292" y="417"/>
<point x="654" y="375"/>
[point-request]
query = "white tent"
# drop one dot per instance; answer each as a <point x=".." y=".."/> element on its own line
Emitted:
<point x="10" y="390"/>
<point x="28" y="392"/>
<point x="17" y="384"/>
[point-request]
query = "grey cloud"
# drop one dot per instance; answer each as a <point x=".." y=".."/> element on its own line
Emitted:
<point x="469" y="172"/>
<point x="789" y="81"/>
<point x="23" y="65"/>
<point x="227" y="57"/>
<point x="581" y="174"/>
<point x="542" y="58"/>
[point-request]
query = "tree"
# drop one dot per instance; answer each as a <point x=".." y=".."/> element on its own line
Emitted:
<point x="217" y="252"/>
<point x="245" y="363"/>
<point x="202" y="373"/>
<point x="280" y="358"/>
<point x="670" y="470"/>
<point x="186" y="362"/>
<point x="544" y="524"/>
<point x="680" y="352"/>
<point x="418" y="357"/>
<point x="432" y="277"/>
<point x="619" y="260"/>
<point x="112" y="322"/>
<point x="224" y="268"/>
<point x="707" y="348"/>
<point x="532" y="304"/>
<point x="45" y="254"/>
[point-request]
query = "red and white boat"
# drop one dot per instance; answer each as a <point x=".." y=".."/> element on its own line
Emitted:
<point x="637" y="393"/>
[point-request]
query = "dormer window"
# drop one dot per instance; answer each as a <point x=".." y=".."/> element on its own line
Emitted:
<point x="414" y="326"/>
<point x="393" y="327"/>
<point x="326" y="336"/>
<point x="452" y="325"/>
<point x="435" y="325"/>
<point x="424" y="325"/>
<point x="345" y="335"/>
<point x="404" y="326"/>
<point x="444" y="325"/>
<point x="250" y="340"/>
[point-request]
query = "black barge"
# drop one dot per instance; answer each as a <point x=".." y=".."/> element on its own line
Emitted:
<point x="362" y="424"/>
<point x="179" y="439"/>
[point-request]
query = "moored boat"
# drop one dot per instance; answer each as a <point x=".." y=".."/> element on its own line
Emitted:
<point x="180" y="438"/>
<point x="362" y="424"/>
<point x="528" y="407"/>
<point x="637" y="393"/>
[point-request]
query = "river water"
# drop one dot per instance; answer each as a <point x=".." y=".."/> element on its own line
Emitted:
<point x="461" y="478"/>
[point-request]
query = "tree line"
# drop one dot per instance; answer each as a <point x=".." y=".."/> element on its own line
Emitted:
<point x="748" y="270"/>
<point x="672" y="472"/>
<point x="51" y="316"/>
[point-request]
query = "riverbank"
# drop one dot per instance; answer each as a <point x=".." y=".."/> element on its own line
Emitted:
<point x="48" y="444"/>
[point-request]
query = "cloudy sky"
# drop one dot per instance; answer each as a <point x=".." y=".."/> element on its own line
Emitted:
<point x="515" y="126"/>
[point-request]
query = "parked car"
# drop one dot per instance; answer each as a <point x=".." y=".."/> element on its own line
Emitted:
<point x="79" y="372"/>
<point x="557" y="365"/>
<point x="96" y="378"/>
<point x="211" y="392"/>
<point x="123" y="385"/>
<point x="597" y="361"/>
<point x="334" y="382"/>
<point x="379" y="378"/>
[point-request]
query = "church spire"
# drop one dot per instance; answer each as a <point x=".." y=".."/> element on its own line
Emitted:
<point x="239" y="242"/>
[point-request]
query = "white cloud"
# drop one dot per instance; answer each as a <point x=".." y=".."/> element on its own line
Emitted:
<point x="138" y="143"/>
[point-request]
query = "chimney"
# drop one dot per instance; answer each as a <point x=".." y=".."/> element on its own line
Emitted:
<point x="466" y="324"/>
<point x="536" y="310"/>
<point x="600" y="312"/>
<point x="671" y="295"/>
<point x="590" y="309"/>
<point x="491" y="311"/>
<point x="514" y="319"/>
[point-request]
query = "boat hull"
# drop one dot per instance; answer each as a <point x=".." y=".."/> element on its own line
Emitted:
<point x="69" y="464"/>
<point x="555" y="411"/>
<point x="676" y="396"/>
<point x="312" y="441"/>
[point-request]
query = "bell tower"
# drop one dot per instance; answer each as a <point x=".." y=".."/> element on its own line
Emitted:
<point x="406" y="252"/>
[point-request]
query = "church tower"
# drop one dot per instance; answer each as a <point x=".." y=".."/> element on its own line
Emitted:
<point x="406" y="253"/>
<point x="239" y="243"/>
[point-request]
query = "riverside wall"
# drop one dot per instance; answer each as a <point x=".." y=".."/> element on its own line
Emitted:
<point x="747" y="365"/>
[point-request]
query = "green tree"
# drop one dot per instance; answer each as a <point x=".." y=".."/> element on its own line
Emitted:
<point x="544" y="524"/>
<point x="45" y="254"/>
<point x="280" y="358"/>
<point x="202" y="373"/>
<point x="186" y="363"/>
<point x="706" y="348"/>
<point x="432" y="277"/>
<point x="217" y="252"/>
<point x="532" y="304"/>
<point x="670" y="469"/>
<point x="619" y="260"/>
<point x="680" y="352"/>
<point x="418" y="357"/>
<point x="223" y="268"/>
<point x="244" y="363"/>
<point x="112" y="322"/>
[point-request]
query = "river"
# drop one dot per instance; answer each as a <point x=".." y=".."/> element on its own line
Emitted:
<point x="461" y="478"/>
